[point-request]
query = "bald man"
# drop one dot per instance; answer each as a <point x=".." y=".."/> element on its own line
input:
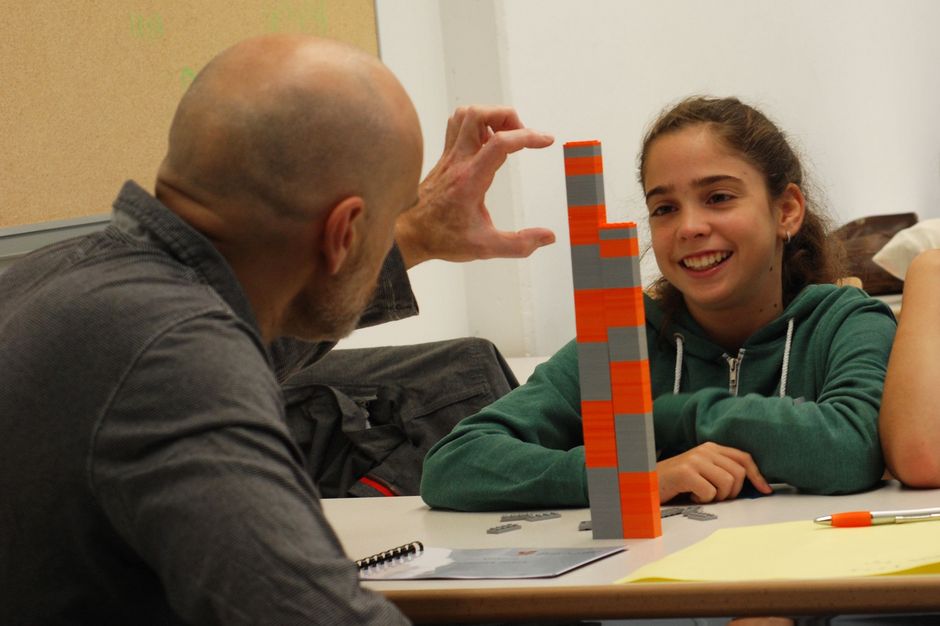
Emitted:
<point x="146" y="472"/>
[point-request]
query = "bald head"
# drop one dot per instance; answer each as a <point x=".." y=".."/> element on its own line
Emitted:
<point x="288" y="125"/>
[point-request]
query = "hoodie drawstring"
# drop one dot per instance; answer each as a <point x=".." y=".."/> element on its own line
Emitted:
<point x="786" y="359"/>
<point x="680" y="342"/>
<point x="677" y="379"/>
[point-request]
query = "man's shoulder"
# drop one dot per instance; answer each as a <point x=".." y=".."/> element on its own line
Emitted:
<point x="119" y="301"/>
<point x="119" y="280"/>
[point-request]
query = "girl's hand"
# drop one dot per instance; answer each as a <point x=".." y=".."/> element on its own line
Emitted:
<point x="709" y="472"/>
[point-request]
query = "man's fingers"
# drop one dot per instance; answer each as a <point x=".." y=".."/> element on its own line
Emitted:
<point x="477" y="124"/>
<point x="496" y="117"/>
<point x="454" y="123"/>
<point x="494" y="152"/>
<point x="518" y="244"/>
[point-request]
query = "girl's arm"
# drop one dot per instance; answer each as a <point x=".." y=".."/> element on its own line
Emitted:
<point x="523" y="451"/>
<point x="825" y="444"/>
<point x="909" y="422"/>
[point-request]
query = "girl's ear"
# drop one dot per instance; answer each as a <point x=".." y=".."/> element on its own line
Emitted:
<point x="792" y="208"/>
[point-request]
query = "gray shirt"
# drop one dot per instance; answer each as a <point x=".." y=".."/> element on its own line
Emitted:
<point x="146" y="472"/>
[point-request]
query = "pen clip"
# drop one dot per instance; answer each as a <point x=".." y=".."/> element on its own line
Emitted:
<point x="917" y="517"/>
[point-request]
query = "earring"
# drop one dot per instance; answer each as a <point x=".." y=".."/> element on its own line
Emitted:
<point x="787" y="240"/>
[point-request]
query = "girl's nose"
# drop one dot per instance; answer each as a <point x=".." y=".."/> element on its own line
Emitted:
<point x="692" y="223"/>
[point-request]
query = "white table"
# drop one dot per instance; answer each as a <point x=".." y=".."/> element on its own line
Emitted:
<point x="368" y="526"/>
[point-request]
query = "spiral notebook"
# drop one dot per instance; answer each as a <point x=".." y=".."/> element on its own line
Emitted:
<point x="415" y="561"/>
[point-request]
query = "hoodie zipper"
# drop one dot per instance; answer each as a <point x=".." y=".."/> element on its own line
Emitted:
<point x="734" y="369"/>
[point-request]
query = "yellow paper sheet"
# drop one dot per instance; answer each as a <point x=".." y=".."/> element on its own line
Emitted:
<point x="801" y="550"/>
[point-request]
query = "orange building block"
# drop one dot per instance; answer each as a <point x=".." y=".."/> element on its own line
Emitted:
<point x="579" y="166"/>
<point x="612" y="248"/>
<point x="590" y="319"/>
<point x="624" y="306"/>
<point x="600" y="438"/>
<point x="639" y="504"/>
<point x="630" y="387"/>
<point x="584" y="223"/>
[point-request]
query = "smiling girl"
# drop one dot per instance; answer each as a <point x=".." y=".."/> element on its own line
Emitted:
<point x="761" y="368"/>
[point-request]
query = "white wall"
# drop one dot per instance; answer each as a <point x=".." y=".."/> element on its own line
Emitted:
<point x="854" y="82"/>
<point x="411" y="44"/>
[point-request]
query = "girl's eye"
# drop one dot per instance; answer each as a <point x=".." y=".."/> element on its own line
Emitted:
<point x="662" y="209"/>
<point x="719" y="197"/>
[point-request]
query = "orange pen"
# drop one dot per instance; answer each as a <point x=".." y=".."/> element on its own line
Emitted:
<point x="854" y="519"/>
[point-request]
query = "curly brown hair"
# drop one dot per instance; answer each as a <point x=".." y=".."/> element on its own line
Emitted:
<point x="811" y="256"/>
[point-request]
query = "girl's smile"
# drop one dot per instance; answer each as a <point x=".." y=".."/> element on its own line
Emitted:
<point x="705" y="261"/>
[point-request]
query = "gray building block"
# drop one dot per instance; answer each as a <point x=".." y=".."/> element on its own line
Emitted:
<point x="585" y="189"/>
<point x="582" y="151"/>
<point x="619" y="272"/>
<point x="627" y="343"/>
<point x="593" y="371"/>
<point x="636" y="449"/>
<point x="586" y="266"/>
<point x="628" y="232"/>
<point x="604" y="496"/>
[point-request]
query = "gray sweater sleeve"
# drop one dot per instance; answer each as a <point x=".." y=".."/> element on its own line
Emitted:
<point x="193" y="466"/>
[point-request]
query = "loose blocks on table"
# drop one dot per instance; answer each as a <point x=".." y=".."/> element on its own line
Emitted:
<point x="616" y="398"/>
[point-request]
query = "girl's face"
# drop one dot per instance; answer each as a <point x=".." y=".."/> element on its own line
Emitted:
<point x="717" y="236"/>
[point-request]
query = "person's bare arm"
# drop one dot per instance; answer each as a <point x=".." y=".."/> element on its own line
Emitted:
<point x="451" y="221"/>
<point x="909" y="422"/>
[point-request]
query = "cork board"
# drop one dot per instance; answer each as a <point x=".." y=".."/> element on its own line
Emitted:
<point x="88" y="89"/>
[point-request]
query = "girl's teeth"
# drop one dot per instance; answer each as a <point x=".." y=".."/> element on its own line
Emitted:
<point x="705" y="261"/>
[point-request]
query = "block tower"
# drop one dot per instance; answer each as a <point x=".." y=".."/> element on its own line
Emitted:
<point x="616" y="399"/>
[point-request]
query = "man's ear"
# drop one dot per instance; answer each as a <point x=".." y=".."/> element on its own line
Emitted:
<point x="792" y="207"/>
<point x="339" y="232"/>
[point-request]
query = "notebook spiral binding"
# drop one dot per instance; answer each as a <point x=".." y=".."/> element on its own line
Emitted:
<point x="389" y="556"/>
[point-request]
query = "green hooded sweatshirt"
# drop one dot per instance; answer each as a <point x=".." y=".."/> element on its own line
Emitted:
<point x="803" y="401"/>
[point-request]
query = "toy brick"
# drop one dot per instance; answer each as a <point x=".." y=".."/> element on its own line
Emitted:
<point x="617" y="273"/>
<point x="699" y="516"/>
<point x="635" y="268"/>
<point x="635" y="445"/>
<point x="600" y="436"/>
<point x="670" y="511"/>
<point x="604" y="496"/>
<point x="586" y="267"/>
<point x="627" y="344"/>
<point x="582" y="166"/>
<point x="624" y="230"/>
<point x="541" y="516"/>
<point x="618" y="247"/>
<point x="593" y="371"/>
<point x="642" y="526"/>
<point x="575" y="149"/>
<point x="590" y="316"/>
<point x="583" y="223"/>
<point x="502" y="528"/>
<point x="585" y="190"/>
<point x="643" y="486"/>
<point x="624" y="306"/>
<point x="639" y="497"/>
<point x="630" y="387"/>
